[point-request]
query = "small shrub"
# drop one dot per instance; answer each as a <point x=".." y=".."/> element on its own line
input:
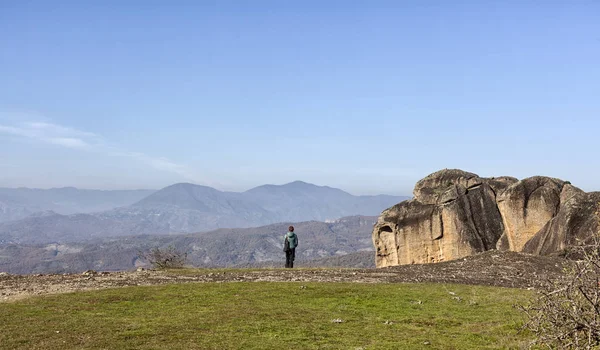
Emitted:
<point x="566" y="314"/>
<point x="167" y="258"/>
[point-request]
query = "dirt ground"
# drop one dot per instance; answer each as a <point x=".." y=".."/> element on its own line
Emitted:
<point x="493" y="268"/>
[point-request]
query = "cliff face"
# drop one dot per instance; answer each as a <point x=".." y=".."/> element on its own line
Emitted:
<point x="455" y="214"/>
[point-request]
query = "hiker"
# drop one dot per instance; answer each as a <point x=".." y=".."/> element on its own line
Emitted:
<point x="290" y="243"/>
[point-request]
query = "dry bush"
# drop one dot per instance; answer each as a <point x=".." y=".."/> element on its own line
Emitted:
<point x="168" y="258"/>
<point x="566" y="313"/>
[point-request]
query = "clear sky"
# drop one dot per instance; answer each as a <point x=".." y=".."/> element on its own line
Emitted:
<point x="367" y="96"/>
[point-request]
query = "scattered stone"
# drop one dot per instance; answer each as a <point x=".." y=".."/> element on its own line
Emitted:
<point x="4" y="274"/>
<point x="302" y="287"/>
<point x="337" y="320"/>
<point x="481" y="269"/>
<point x="140" y="269"/>
<point x="426" y="343"/>
<point x="89" y="273"/>
<point x="388" y="322"/>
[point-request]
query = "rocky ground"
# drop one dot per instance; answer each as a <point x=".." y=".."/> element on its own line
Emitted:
<point x="493" y="268"/>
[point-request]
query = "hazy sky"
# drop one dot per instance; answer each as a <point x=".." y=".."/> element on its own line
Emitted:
<point x="367" y="96"/>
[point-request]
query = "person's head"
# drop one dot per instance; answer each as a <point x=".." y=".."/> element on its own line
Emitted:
<point x="291" y="228"/>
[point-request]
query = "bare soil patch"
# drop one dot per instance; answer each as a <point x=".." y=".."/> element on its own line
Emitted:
<point x="492" y="268"/>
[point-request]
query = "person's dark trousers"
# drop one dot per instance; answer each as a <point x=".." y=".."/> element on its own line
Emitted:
<point x="289" y="258"/>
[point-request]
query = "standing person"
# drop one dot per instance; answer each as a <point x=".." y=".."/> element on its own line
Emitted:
<point x="290" y="242"/>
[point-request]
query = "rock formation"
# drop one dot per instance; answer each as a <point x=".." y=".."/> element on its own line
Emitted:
<point x="455" y="214"/>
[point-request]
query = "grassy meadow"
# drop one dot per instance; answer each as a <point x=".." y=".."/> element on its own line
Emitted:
<point x="268" y="315"/>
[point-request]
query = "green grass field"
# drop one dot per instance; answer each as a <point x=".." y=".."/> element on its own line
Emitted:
<point x="269" y="316"/>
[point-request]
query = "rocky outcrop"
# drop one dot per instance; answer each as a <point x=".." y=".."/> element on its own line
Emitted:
<point x="576" y="220"/>
<point x="526" y="207"/>
<point x="455" y="214"/>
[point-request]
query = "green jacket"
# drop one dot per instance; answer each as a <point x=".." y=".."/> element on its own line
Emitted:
<point x="292" y="238"/>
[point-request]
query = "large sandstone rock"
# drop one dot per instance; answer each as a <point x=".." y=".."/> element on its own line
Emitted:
<point x="455" y="214"/>
<point x="576" y="220"/>
<point x="526" y="207"/>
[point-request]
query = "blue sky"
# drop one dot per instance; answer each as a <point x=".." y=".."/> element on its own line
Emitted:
<point x="367" y="96"/>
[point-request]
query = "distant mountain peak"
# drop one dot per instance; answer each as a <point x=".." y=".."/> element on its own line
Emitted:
<point x="180" y="184"/>
<point x="186" y="195"/>
<point x="187" y="185"/>
<point x="43" y="213"/>
<point x="294" y="185"/>
<point x="301" y="183"/>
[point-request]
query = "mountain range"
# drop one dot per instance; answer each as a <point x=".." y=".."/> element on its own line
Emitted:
<point x="19" y="203"/>
<point x="67" y="215"/>
<point x="321" y="244"/>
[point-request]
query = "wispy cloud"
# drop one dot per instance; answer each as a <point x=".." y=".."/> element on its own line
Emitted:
<point x="69" y="142"/>
<point x="58" y="129"/>
<point x="81" y="140"/>
<point x="52" y="133"/>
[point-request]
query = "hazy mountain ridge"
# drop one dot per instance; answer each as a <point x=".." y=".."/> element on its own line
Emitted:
<point x="303" y="201"/>
<point x="53" y="227"/>
<point x="219" y="248"/>
<point x="188" y="208"/>
<point x="18" y="203"/>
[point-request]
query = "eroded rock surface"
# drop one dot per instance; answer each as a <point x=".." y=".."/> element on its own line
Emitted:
<point x="455" y="214"/>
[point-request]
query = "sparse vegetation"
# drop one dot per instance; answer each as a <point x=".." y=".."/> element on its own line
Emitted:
<point x="221" y="248"/>
<point x="262" y="315"/>
<point x="167" y="258"/>
<point x="566" y="314"/>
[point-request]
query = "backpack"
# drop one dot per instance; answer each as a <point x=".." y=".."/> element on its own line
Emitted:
<point x="286" y="245"/>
